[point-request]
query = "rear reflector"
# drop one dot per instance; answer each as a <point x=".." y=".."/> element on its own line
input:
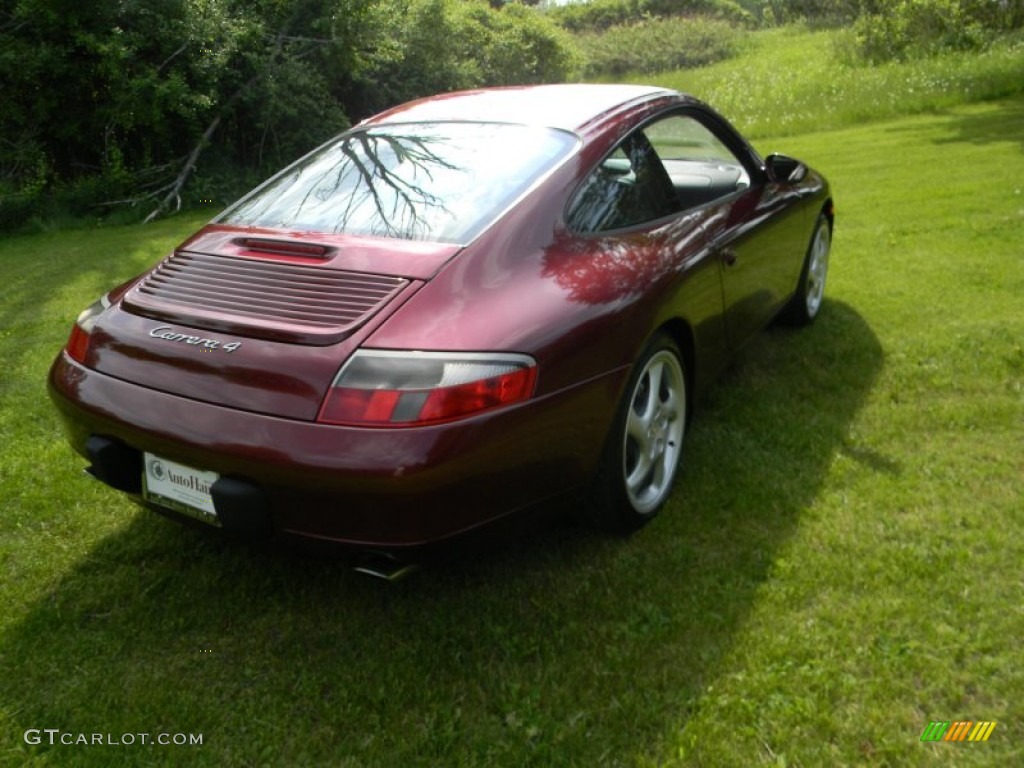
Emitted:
<point x="78" y="344"/>
<point x="81" y="334"/>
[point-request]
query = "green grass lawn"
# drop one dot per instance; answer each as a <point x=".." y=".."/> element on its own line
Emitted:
<point x="840" y="562"/>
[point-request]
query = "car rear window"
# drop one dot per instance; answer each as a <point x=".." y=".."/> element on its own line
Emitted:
<point x="442" y="182"/>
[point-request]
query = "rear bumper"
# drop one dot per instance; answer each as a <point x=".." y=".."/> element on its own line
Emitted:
<point x="380" y="488"/>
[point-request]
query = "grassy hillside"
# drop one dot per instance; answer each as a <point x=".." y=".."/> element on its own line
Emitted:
<point x="789" y="81"/>
<point x="838" y="566"/>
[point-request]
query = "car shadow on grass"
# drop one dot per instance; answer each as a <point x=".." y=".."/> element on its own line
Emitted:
<point x="562" y="647"/>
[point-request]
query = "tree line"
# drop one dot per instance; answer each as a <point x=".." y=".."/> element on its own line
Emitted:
<point x="148" y="104"/>
<point x="142" y="103"/>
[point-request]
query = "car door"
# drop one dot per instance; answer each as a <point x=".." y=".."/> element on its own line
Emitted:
<point x="750" y="222"/>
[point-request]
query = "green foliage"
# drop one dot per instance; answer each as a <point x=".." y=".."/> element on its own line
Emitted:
<point x="106" y="101"/>
<point x="528" y="48"/>
<point x="601" y="15"/>
<point x="433" y="46"/>
<point x="816" y="13"/>
<point x="657" y="45"/>
<point x="900" y="28"/>
<point x="903" y="29"/>
<point x="596" y="15"/>
<point x="115" y="95"/>
<point x="723" y="10"/>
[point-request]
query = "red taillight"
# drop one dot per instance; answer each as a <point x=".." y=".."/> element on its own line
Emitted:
<point x="81" y="333"/>
<point x="451" y="402"/>
<point x="359" y="406"/>
<point x="413" y="388"/>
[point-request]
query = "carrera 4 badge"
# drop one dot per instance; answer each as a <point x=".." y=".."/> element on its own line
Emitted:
<point x="168" y="334"/>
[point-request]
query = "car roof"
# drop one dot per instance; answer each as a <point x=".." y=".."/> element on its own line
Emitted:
<point x="565" y="106"/>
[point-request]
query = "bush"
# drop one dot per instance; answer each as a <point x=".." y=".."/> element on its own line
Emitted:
<point x="722" y="10"/>
<point x="133" y="89"/>
<point x="657" y="45"/>
<point x="903" y="29"/>
<point x="71" y="203"/>
<point x="433" y="46"/>
<point x="602" y="15"/>
<point x="525" y="48"/>
<point x="816" y="14"/>
<point x="595" y="16"/>
<point x="17" y="207"/>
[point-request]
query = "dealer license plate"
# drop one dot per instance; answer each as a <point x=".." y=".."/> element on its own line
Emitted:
<point x="179" y="487"/>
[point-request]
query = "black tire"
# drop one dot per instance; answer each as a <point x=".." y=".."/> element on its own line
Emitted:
<point x="810" y="290"/>
<point x="642" y="452"/>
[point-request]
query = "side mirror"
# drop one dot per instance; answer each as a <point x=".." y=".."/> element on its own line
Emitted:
<point x="785" y="170"/>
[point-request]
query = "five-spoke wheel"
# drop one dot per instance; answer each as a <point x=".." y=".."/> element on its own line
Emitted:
<point x="653" y="436"/>
<point x="810" y="291"/>
<point x="644" y="448"/>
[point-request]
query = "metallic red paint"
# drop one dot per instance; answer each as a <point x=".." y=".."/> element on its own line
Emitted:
<point x="581" y="305"/>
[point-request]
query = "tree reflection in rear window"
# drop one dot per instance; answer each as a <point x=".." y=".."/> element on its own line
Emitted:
<point x="442" y="182"/>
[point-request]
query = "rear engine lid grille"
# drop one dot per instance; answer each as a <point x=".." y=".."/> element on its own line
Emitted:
<point x="261" y="298"/>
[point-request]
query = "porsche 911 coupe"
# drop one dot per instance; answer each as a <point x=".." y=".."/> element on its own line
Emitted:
<point x="464" y="308"/>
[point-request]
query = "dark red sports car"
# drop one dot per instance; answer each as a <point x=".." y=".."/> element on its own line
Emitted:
<point x="458" y="310"/>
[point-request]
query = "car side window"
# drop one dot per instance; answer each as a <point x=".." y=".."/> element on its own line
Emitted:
<point x="700" y="166"/>
<point x="629" y="187"/>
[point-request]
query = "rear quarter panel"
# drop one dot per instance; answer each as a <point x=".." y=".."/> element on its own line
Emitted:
<point x="583" y="306"/>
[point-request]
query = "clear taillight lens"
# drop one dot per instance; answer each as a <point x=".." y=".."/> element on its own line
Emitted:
<point x="401" y="389"/>
<point x="81" y="333"/>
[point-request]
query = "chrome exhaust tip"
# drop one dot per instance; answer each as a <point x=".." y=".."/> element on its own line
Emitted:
<point x="383" y="566"/>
